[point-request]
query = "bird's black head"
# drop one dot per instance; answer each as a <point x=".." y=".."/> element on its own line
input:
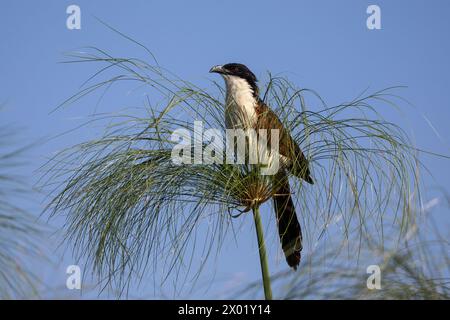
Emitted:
<point x="237" y="70"/>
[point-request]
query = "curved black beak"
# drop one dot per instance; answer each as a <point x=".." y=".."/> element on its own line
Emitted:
<point x="217" y="69"/>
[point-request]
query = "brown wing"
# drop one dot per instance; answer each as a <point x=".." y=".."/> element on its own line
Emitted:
<point x="298" y="164"/>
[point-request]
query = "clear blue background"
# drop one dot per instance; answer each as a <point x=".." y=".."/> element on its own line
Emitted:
<point x="323" y="45"/>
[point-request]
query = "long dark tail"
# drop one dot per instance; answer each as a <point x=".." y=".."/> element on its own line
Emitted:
<point x="288" y="225"/>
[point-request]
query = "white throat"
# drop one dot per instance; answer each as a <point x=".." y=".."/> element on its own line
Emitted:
<point x="240" y="103"/>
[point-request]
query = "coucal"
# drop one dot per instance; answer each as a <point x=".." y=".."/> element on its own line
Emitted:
<point x="245" y="110"/>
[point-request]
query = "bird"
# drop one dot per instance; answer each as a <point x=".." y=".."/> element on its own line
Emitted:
<point x="244" y="109"/>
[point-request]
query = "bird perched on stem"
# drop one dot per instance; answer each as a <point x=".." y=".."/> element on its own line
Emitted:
<point x="245" y="110"/>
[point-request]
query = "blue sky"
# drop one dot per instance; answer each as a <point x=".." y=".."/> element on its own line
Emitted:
<point x="323" y="45"/>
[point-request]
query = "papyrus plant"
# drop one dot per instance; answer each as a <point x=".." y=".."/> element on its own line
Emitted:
<point x="19" y="232"/>
<point x="130" y="208"/>
<point x="414" y="267"/>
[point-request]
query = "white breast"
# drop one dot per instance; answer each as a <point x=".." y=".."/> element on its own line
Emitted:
<point x="240" y="114"/>
<point x="240" y="104"/>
